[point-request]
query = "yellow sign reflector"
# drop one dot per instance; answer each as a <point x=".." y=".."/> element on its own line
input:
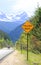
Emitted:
<point x="27" y="26"/>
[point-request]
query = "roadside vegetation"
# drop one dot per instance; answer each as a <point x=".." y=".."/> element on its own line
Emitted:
<point x="5" y="40"/>
<point x="34" y="40"/>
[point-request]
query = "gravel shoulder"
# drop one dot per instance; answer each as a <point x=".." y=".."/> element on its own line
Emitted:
<point x="14" y="58"/>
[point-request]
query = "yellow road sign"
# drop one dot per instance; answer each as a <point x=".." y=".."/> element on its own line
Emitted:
<point x="27" y="26"/>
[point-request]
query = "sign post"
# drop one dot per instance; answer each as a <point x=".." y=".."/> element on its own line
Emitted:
<point x="27" y="46"/>
<point x="27" y="27"/>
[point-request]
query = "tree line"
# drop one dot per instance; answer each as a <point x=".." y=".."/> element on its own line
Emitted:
<point x="34" y="35"/>
<point x="5" y="40"/>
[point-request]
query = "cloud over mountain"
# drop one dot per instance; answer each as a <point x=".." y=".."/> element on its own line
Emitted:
<point x="12" y="24"/>
<point x="13" y="17"/>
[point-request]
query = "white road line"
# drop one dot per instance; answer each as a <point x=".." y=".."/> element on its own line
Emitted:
<point x="4" y="52"/>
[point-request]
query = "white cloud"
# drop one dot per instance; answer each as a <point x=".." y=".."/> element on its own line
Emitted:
<point x="0" y="13"/>
<point x="27" y="5"/>
<point x="9" y="17"/>
<point x="3" y="19"/>
<point x="17" y="18"/>
<point x="19" y="6"/>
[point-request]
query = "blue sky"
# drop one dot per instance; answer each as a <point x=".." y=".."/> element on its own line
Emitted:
<point x="14" y="6"/>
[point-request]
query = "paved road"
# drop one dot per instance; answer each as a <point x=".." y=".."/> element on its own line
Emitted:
<point x="4" y="52"/>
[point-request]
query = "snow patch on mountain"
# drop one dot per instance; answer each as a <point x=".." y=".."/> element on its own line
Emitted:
<point x="13" y="17"/>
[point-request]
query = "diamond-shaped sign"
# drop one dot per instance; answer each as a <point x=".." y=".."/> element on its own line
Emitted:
<point x="27" y="26"/>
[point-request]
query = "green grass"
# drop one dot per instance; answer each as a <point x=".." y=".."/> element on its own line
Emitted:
<point x="33" y="59"/>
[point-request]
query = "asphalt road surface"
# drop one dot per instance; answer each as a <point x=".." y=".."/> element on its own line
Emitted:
<point x="4" y="52"/>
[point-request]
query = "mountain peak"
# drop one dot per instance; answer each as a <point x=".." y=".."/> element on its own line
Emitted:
<point x="12" y="26"/>
<point x="14" y="17"/>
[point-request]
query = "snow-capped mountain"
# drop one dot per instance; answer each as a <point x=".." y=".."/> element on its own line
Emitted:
<point x="2" y="15"/>
<point x="12" y="25"/>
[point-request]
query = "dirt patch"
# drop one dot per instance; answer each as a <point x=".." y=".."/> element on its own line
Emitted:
<point x="14" y="59"/>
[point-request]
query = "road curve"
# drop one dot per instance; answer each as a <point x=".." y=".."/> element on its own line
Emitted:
<point x="4" y="52"/>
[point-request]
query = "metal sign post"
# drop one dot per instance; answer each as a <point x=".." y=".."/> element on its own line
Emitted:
<point x="27" y="27"/>
<point x="27" y="46"/>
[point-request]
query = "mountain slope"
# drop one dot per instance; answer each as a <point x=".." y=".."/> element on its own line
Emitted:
<point x="13" y="27"/>
<point x="4" y="35"/>
<point x="15" y="34"/>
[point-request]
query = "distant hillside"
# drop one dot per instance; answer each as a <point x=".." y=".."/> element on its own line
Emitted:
<point x="15" y="34"/>
<point x="4" y="39"/>
<point x="4" y="35"/>
<point x="13" y="27"/>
